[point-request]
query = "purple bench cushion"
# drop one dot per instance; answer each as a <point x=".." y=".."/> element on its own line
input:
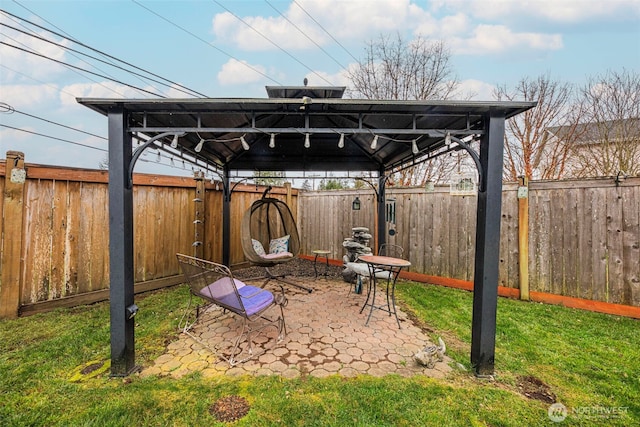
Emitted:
<point x="255" y="299"/>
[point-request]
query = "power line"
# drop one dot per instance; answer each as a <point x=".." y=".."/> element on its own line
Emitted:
<point x="40" y="81"/>
<point x="29" y="50"/>
<point x="207" y="43"/>
<point x="106" y="54"/>
<point x="325" y="30"/>
<point x="81" y="69"/>
<point x="90" y="56"/>
<point x="59" y="124"/>
<point x="53" y="137"/>
<point x="305" y="34"/>
<point x="272" y="42"/>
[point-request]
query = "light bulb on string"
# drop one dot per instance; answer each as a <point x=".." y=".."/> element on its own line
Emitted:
<point x="374" y="143"/>
<point x="244" y="143"/>
<point x="307" y="141"/>
<point x="272" y="141"/>
<point x="199" y="146"/>
<point x="341" y="141"/>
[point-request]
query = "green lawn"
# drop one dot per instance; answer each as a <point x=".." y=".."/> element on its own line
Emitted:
<point x="589" y="361"/>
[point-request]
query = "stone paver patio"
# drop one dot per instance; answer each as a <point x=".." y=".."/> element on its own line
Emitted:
<point x="326" y="336"/>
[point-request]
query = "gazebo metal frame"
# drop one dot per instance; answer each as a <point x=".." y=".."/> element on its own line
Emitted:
<point x="304" y="129"/>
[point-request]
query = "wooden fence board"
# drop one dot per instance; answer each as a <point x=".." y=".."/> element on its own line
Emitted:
<point x="599" y="252"/>
<point x="38" y="228"/>
<point x="631" y="245"/>
<point x="584" y="275"/>
<point x="615" y="245"/>
<point x="570" y="242"/>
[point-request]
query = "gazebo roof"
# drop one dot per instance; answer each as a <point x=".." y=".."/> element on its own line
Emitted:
<point x="301" y="130"/>
<point x="319" y="113"/>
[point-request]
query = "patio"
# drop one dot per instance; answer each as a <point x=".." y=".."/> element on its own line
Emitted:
<point x="326" y="336"/>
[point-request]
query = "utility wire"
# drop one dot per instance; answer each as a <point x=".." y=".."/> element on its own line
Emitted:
<point x="68" y="37"/>
<point x="32" y="33"/>
<point x="92" y="57"/>
<point x="81" y="69"/>
<point x="41" y="82"/>
<point x="107" y="55"/>
<point x="325" y="30"/>
<point x="272" y="42"/>
<point x="207" y="43"/>
<point x="29" y="50"/>
<point x="53" y="137"/>
<point x="305" y="34"/>
<point x="58" y="124"/>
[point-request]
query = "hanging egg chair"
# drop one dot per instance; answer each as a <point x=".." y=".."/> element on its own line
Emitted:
<point x="270" y="235"/>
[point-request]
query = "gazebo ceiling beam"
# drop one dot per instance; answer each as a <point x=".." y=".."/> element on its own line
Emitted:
<point x="312" y="130"/>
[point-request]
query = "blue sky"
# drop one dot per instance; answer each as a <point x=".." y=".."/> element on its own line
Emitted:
<point x="223" y="48"/>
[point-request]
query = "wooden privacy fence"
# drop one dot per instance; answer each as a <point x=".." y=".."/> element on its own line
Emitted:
<point x="55" y="228"/>
<point x="582" y="237"/>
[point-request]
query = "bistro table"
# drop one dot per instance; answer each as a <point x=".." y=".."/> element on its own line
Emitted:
<point x="384" y="268"/>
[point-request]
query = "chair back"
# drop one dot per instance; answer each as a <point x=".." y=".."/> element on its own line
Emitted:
<point x="391" y="250"/>
<point x="213" y="282"/>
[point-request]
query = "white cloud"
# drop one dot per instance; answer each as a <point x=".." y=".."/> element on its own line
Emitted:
<point x="29" y="96"/>
<point x="236" y="72"/>
<point x="561" y="11"/>
<point x="105" y="89"/>
<point x="493" y="39"/>
<point x="320" y="78"/>
<point x="344" y="20"/>
<point x="19" y="64"/>
<point x="475" y="90"/>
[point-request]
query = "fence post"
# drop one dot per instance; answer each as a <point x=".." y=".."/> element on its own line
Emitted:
<point x="523" y="237"/>
<point x="11" y="260"/>
<point x="287" y="187"/>
<point x="200" y="216"/>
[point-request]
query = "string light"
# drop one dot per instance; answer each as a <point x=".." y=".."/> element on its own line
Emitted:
<point x="447" y="139"/>
<point x="374" y="143"/>
<point x="414" y="146"/>
<point x="174" y="142"/>
<point x="307" y="141"/>
<point x="272" y="141"/>
<point x="244" y="143"/>
<point x="341" y="141"/>
<point x="199" y="146"/>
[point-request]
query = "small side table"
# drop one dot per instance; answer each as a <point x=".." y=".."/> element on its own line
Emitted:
<point x="321" y="253"/>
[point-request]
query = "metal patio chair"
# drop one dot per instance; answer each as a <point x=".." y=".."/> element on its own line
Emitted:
<point x="215" y="284"/>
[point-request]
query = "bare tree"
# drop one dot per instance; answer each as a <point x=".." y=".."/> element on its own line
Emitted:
<point x="610" y="143"/>
<point x="530" y="149"/>
<point x="396" y="69"/>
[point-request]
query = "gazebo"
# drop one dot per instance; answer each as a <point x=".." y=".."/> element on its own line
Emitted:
<point x="304" y="129"/>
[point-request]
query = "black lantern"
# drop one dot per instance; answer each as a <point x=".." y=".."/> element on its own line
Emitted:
<point x="356" y="204"/>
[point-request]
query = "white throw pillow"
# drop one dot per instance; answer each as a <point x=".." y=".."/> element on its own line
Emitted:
<point x="281" y="244"/>
<point x="257" y="247"/>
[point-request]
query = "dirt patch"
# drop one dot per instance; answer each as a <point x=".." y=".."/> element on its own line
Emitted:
<point x="91" y="368"/>
<point x="229" y="408"/>
<point x="296" y="268"/>
<point x="534" y="388"/>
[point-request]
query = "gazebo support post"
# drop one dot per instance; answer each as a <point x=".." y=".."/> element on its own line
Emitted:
<point x="226" y="218"/>
<point x="487" y="258"/>
<point x="121" y="273"/>
<point x="382" y="223"/>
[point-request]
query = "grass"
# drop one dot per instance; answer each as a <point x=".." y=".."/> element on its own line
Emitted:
<point x="588" y="360"/>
